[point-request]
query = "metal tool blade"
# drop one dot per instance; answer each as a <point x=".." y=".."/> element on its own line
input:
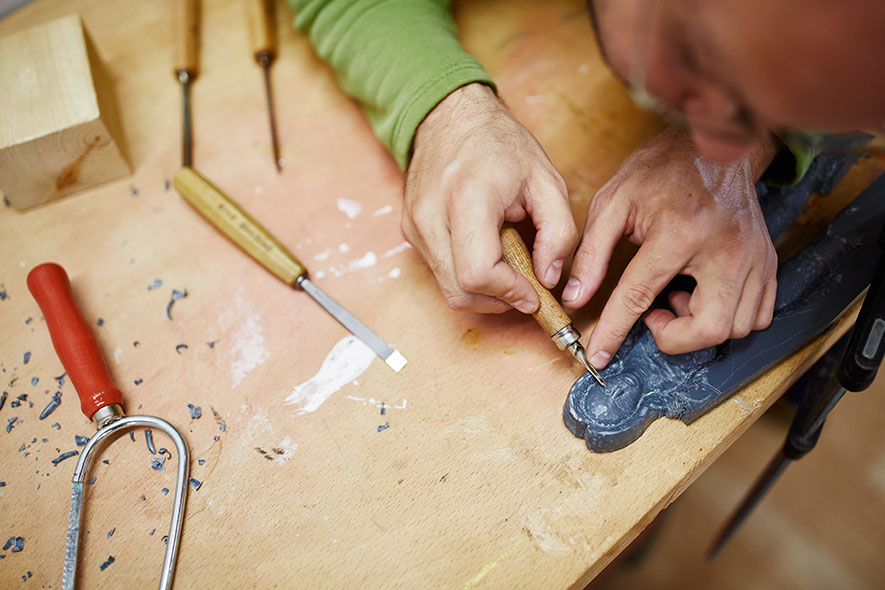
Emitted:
<point x="391" y="356"/>
<point x="71" y="541"/>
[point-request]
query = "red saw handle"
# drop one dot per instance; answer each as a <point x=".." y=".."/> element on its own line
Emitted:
<point x="73" y="339"/>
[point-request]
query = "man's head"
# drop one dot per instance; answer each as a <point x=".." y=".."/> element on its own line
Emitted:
<point x="730" y="67"/>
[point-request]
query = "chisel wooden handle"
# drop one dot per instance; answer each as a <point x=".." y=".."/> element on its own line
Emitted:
<point x="239" y="226"/>
<point x="550" y="315"/>
<point x="262" y="28"/>
<point x="73" y="339"/>
<point x="187" y="36"/>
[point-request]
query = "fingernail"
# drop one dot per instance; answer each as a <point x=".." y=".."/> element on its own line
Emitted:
<point x="571" y="290"/>
<point x="524" y="306"/>
<point x="553" y="273"/>
<point x="600" y="359"/>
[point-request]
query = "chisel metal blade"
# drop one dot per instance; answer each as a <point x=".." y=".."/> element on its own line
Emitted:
<point x="390" y="355"/>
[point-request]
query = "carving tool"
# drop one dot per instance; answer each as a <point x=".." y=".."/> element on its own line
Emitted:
<point x="187" y="37"/>
<point x="263" y="35"/>
<point x="222" y="212"/>
<point x="857" y="370"/>
<point x="550" y="315"/>
<point x="101" y="402"/>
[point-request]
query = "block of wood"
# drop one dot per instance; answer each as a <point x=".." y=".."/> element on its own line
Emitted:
<point x="59" y="128"/>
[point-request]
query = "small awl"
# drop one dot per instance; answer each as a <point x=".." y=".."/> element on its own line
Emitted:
<point x="263" y="35"/>
<point x="101" y="402"/>
<point x="229" y="218"/>
<point x="550" y="314"/>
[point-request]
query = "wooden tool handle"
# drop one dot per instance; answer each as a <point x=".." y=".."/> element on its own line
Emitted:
<point x="187" y="36"/>
<point x="239" y="226"/>
<point x="550" y="315"/>
<point x="262" y="28"/>
<point x="73" y="339"/>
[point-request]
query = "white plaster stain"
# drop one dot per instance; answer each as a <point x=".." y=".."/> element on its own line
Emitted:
<point x="394" y="273"/>
<point x="323" y="255"/>
<point x="382" y="211"/>
<point x="396" y="250"/>
<point x="345" y="362"/>
<point x="343" y="248"/>
<point x="349" y="208"/>
<point x="118" y="352"/>
<point x="247" y="350"/>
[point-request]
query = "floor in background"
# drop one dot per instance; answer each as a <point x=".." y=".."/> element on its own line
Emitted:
<point x="822" y="526"/>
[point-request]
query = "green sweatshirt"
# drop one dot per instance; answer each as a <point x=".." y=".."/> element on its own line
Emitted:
<point x="400" y="58"/>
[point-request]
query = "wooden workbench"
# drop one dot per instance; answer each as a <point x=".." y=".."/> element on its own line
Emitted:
<point x="475" y="484"/>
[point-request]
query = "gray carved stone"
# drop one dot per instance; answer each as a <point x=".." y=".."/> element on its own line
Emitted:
<point x="814" y="287"/>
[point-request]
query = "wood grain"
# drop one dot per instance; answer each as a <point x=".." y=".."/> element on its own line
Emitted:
<point x="231" y="220"/>
<point x="186" y="24"/>
<point x="261" y="15"/>
<point x="59" y="128"/>
<point x="475" y="484"/>
<point x="550" y="315"/>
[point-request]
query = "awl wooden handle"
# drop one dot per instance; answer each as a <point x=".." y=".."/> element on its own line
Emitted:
<point x="73" y="339"/>
<point x="262" y="28"/>
<point x="550" y="315"/>
<point x="239" y="226"/>
<point x="187" y="36"/>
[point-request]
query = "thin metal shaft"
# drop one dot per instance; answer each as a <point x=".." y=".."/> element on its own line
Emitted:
<point x="178" y="505"/>
<point x="394" y="359"/>
<point x="578" y="350"/>
<point x="771" y="474"/>
<point x="264" y="60"/>
<point x="187" y="147"/>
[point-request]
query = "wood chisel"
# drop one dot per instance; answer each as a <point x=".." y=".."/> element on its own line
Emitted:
<point x="222" y="212"/>
<point x="187" y="38"/>
<point x="263" y="35"/>
<point x="550" y="315"/>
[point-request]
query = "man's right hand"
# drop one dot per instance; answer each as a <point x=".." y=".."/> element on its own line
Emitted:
<point x="473" y="168"/>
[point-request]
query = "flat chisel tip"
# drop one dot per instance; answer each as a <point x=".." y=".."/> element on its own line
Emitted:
<point x="396" y="361"/>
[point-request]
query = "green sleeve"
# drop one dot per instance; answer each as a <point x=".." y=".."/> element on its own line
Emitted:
<point x="398" y="57"/>
<point x="793" y="160"/>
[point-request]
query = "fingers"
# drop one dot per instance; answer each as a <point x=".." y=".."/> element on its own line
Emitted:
<point x="476" y="255"/>
<point x="557" y="234"/>
<point x="433" y="245"/>
<point x="655" y="264"/>
<point x="765" y="313"/>
<point x="707" y="320"/>
<point x="604" y="227"/>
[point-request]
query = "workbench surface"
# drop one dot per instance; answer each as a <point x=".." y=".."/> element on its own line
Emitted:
<point x="475" y="484"/>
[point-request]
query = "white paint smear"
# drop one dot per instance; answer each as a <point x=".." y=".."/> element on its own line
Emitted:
<point x="323" y="255"/>
<point x="117" y="354"/>
<point x="349" y="208"/>
<point x="345" y="362"/>
<point x="394" y="273"/>
<point x="382" y="211"/>
<point x="247" y="340"/>
<point x="396" y="250"/>
<point x="368" y="260"/>
<point x="343" y="248"/>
